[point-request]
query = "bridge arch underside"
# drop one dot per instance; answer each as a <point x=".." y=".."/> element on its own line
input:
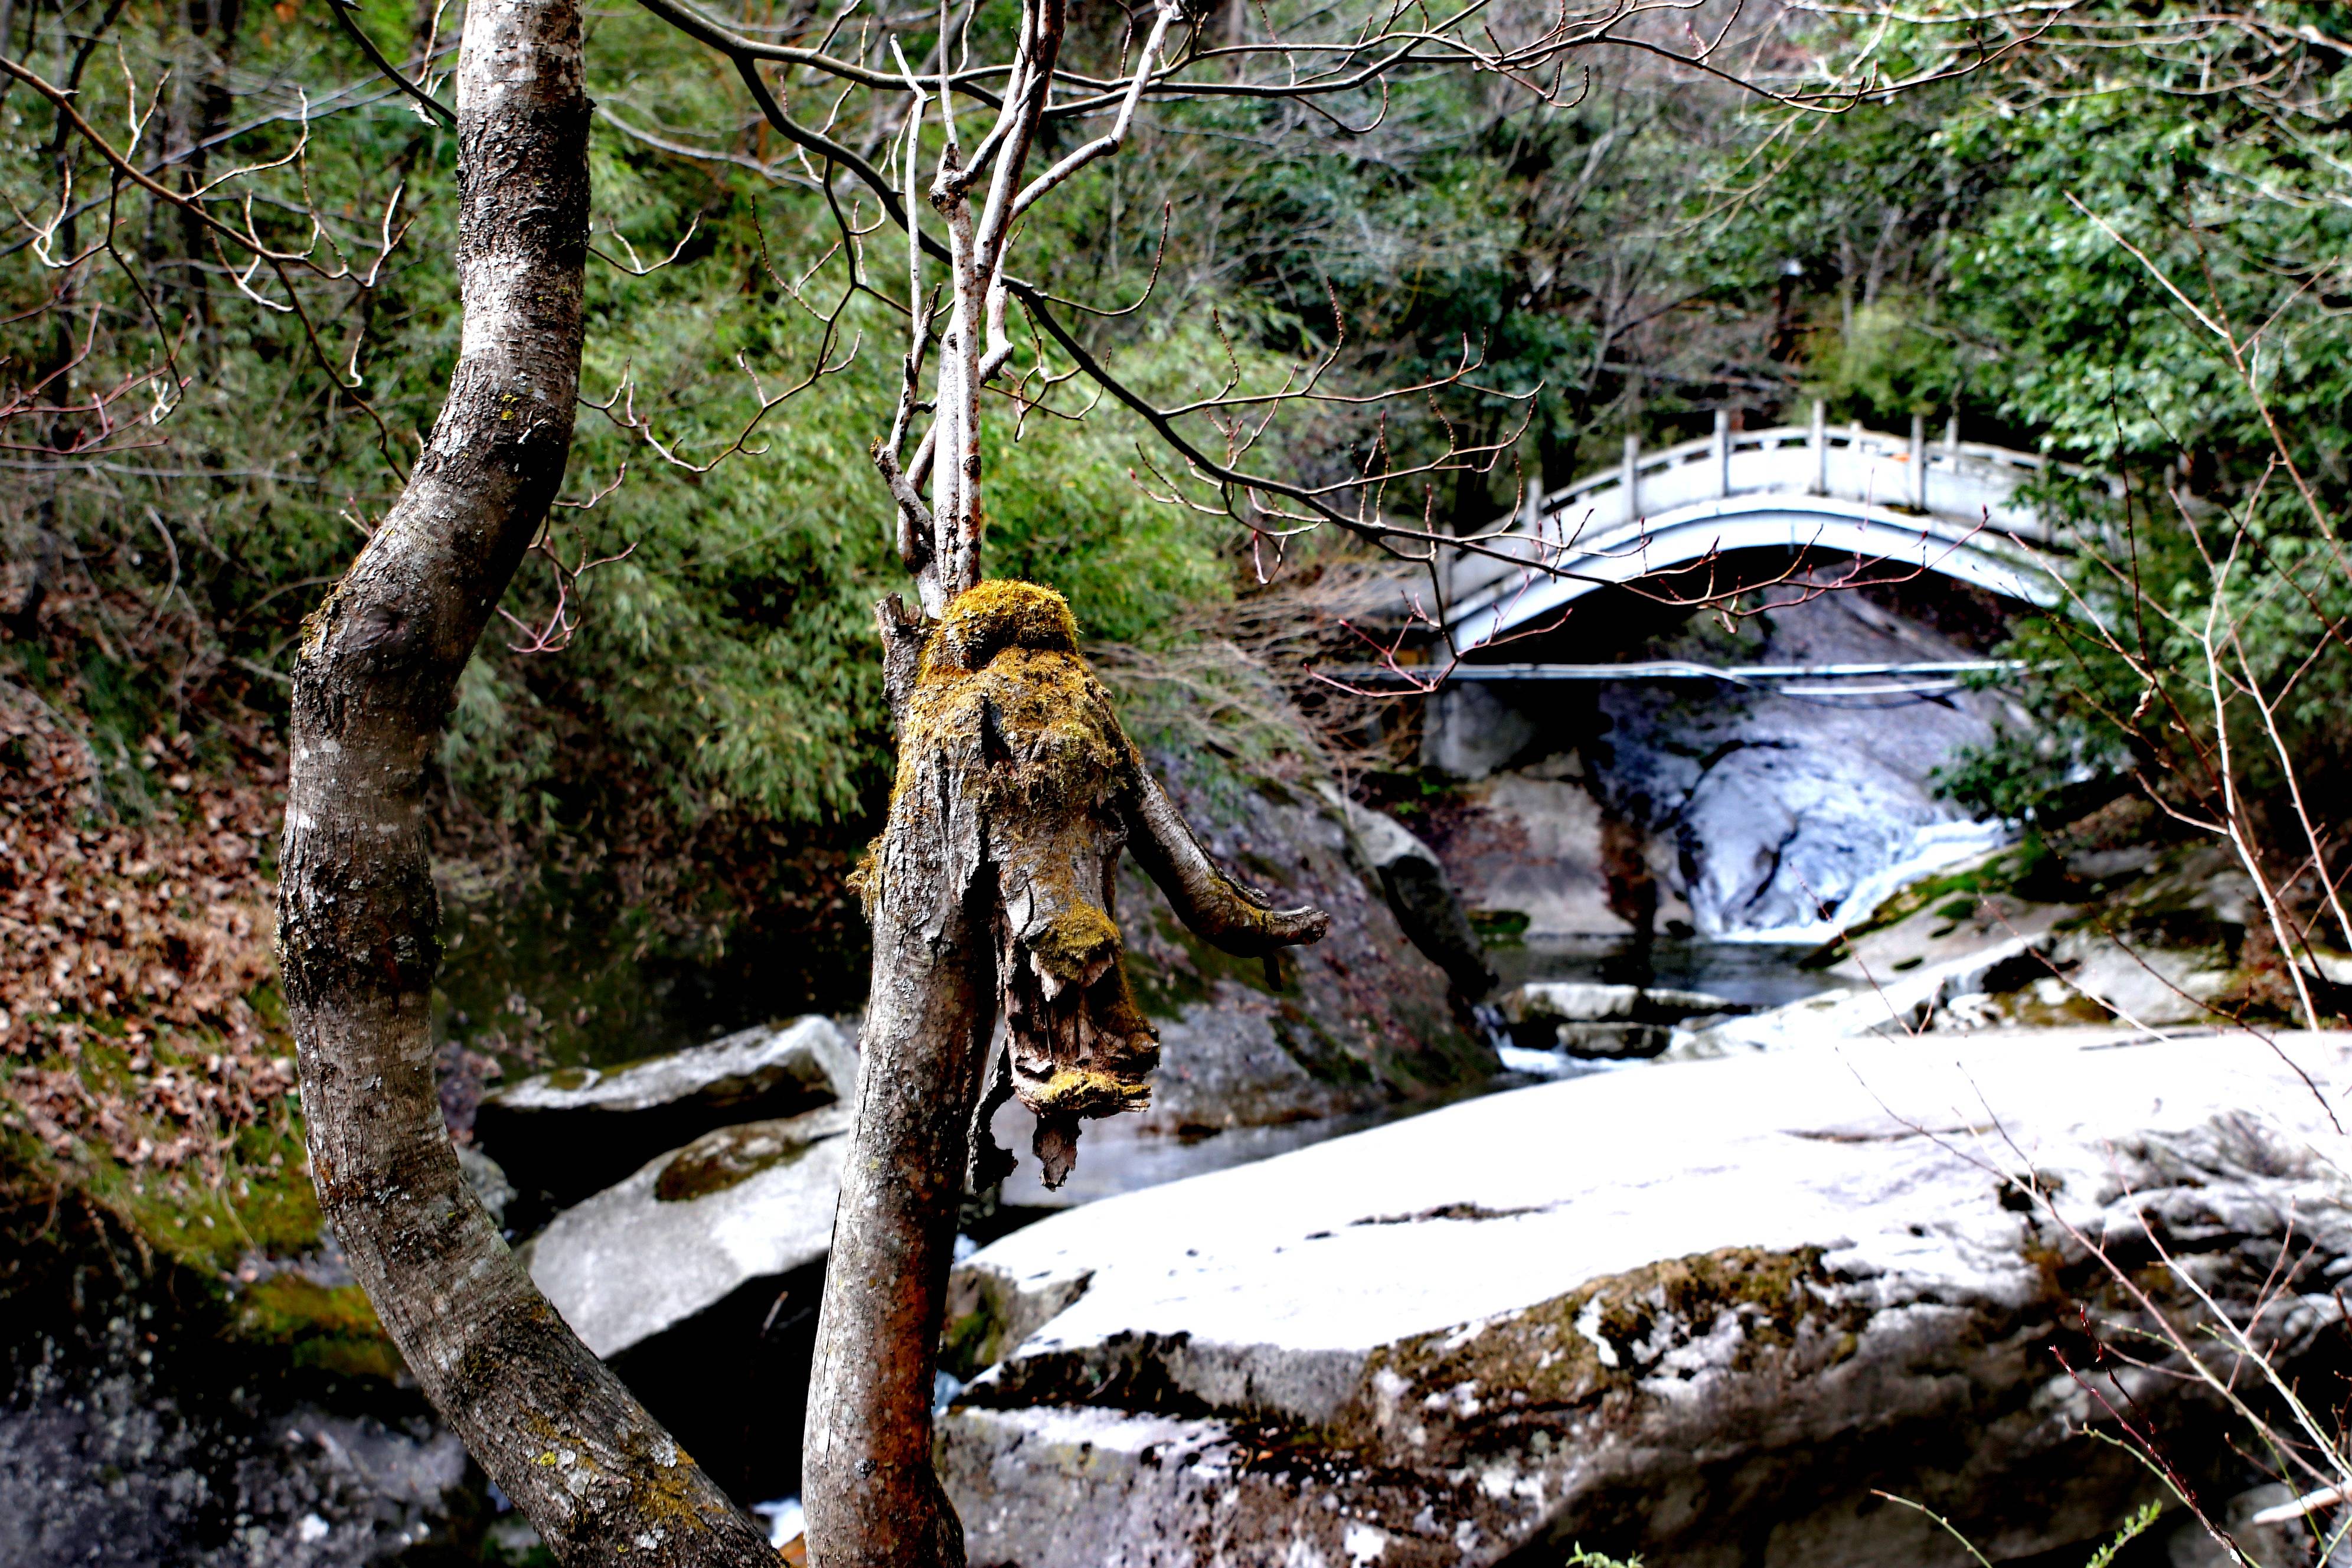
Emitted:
<point x="1709" y="550"/>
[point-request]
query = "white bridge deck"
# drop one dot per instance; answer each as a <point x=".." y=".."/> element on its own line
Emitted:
<point x="1948" y="506"/>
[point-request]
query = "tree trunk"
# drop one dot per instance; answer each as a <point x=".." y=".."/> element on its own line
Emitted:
<point x="990" y="889"/>
<point x="357" y="916"/>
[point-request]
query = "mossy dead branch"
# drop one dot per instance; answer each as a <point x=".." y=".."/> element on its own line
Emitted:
<point x="1016" y="781"/>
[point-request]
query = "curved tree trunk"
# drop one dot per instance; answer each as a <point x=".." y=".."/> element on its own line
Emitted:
<point x="358" y="918"/>
<point x="990" y="887"/>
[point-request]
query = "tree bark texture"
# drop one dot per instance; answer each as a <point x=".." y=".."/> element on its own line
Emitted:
<point x="357" y="916"/>
<point x="990" y="890"/>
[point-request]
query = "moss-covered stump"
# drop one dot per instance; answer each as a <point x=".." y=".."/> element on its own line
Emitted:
<point x="1702" y="1313"/>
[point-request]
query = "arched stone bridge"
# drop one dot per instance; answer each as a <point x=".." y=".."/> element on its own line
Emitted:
<point x="1948" y="506"/>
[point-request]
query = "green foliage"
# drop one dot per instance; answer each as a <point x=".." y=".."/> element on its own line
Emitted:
<point x="2019" y="776"/>
<point x="2141" y="272"/>
<point x="2141" y="1520"/>
<point x="1577" y="1557"/>
<point x="730" y="656"/>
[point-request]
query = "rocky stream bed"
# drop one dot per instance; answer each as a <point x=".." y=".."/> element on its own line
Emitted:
<point x="1601" y="1231"/>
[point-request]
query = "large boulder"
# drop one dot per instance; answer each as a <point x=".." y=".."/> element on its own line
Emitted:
<point x="1536" y="853"/>
<point x="1705" y="1311"/>
<point x="1784" y="805"/>
<point x="562" y="1135"/>
<point x="692" y="1228"/>
<point x="1420" y="894"/>
<point x="1627" y="807"/>
<point x="1357" y="1020"/>
<point x="2026" y="936"/>
<point x="1469" y="732"/>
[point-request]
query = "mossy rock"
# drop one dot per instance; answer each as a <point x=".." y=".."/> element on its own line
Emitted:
<point x="1576" y="1347"/>
<point x="732" y="1155"/>
<point x="329" y="1328"/>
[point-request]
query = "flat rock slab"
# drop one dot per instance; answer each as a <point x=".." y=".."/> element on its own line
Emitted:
<point x="1697" y="1311"/>
<point x="691" y="1229"/>
<point x="571" y="1132"/>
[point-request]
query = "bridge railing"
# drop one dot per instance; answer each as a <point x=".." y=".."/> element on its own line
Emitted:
<point x="1968" y="485"/>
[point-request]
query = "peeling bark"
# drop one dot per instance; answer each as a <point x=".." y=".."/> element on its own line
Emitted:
<point x="990" y="888"/>
<point x="357" y="916"/>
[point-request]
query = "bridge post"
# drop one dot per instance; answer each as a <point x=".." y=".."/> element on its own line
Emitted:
<point x="1722" y="453"/>
<point x="1632" y="480"/>
<point x="1919" y="462"/>
<point x="1820" y="445"/>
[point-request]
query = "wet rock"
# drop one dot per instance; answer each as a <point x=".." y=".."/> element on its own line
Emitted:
<point x="1969" y="950"/>
<point x="1420" y="894"/>
<point x="2093" y="973"/>
<point x="1904" y="1004"/>
<point x="1628" y="809"/>
<point x="489" y="1180"/>
<point x="564" y="1135"/>
<point x="1534" y="852"/>
<point x="1706" y="1325"/>
<point x="1779" y="807"/>
<point x="1604" y="1021"/>
<point x="152" y="1417"/>
<point x="692" y="1228"/>
<point x="112" y="1474"/>
<point x="1359" y="1020"/>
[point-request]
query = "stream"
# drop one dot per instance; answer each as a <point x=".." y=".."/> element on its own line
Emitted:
<point x="1116" y="1156"/>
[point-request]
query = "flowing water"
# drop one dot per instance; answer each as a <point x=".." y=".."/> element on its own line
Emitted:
<point x="1116" y="1156"/>
<point x="1754" y="973"/>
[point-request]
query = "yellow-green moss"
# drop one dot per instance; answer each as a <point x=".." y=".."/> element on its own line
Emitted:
<point x="999" y="614"/>
<point x="261" y="1202"/>
<point x="720" y="1160"/>
<point x="1006" y="656"/>
<point x="1083" y="1091"/>
<point x="866" y="877"/>
<point x="1961" y="890"/>
<point x="1547" y="1353"/>
<point x="1075" y="942"/>
<point x="1007" y="733"/>
<point x="330" y="1328"/>
<point x="254" y="1196"/>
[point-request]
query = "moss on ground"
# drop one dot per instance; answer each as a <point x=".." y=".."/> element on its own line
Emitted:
<point x="326" y="1328"/>
<point x="218" y="1227"/>
<point x="1500" y="928"/>
<point x="251" y="1196"/>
